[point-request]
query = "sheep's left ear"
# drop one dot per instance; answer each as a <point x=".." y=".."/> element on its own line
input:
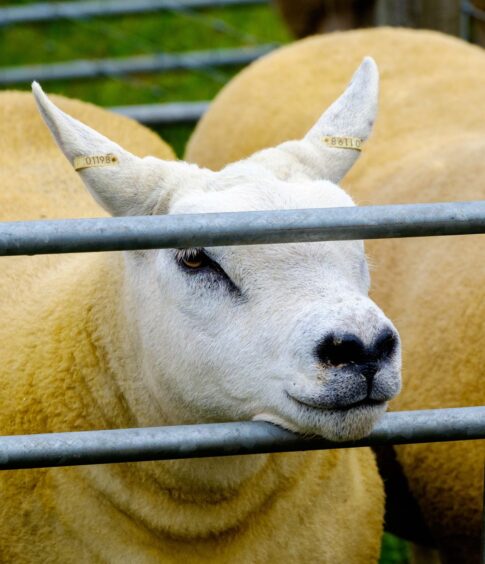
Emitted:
<point x="120" y="182"/>
<point x="333" y="144"/>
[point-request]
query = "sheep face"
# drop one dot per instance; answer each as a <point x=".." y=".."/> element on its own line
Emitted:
<point x="283" y="333"/>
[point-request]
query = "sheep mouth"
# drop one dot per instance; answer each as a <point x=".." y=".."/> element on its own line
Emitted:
<point x="366" y="402"/>
<point x="363" y="403"/>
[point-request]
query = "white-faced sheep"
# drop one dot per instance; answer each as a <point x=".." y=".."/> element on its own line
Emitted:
<point x="428" y="146"/>
<point x="280" y="333"/>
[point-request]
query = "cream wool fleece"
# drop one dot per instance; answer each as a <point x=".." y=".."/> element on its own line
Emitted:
<point x="428" y="146"/>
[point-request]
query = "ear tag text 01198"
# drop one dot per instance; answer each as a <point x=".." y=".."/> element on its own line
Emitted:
<point x="95" y="161"/>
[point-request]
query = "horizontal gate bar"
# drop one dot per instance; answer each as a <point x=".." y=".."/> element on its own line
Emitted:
<point x="157" y="62"/>
<point x="240" y="228"/>
<point x="47" y="11"/>
<point x="226" y="439"/>
<point x="177" y="112"/>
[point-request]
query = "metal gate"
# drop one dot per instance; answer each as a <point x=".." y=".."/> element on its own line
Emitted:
<point x="238" y="228"/>
<point x="242" y="228"/>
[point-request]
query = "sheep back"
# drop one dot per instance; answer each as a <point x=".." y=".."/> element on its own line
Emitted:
<point x="433" y="289"/>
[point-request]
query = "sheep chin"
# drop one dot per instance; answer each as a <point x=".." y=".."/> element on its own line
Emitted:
<point x="334" y="425"/>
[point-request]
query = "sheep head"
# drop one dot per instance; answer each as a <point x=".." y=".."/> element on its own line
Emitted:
<point x="283" y="333"/>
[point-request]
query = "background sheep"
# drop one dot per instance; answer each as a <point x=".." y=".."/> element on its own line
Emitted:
<point x="138" y="339"/>
<point x="428" y="146"/>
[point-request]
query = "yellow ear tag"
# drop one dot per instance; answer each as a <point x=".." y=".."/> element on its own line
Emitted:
<point x="344" y="142"/>
<point x="95" y="161"/>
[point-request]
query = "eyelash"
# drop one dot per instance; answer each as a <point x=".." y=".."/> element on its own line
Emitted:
<point x="186" y="256"/>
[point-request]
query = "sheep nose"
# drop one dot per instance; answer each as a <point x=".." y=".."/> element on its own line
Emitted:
<point x="348" y="350"/>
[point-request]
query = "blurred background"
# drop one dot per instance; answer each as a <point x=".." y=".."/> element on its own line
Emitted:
<point x="175" y="55"/>
<point x="162" y="61"/>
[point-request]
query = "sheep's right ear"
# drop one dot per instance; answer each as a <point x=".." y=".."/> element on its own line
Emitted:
<point x="120" y="182"/>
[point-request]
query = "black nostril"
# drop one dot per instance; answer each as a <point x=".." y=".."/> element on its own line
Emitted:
<point x="385" y="345"/>
<point x="341" y="349"/>
<point x="345" y="349"/>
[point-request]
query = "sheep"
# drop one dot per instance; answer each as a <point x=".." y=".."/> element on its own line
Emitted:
<point x="162" y="337"/>
<point x="428" y="146"/>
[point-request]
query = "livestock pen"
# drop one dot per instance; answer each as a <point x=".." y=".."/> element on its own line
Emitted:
<point x="175" y="119"/>
<point x="223" y="35"/>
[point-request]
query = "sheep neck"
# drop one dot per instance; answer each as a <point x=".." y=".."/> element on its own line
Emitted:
<point x="168" y="511"/>
<point x="225" y="491"/>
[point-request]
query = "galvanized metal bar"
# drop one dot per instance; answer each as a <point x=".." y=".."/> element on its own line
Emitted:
<point x="48" y="11"/>
<point x="240" y="228"/>
<point x="158" y="62"/>
<point x="164" y="114"/>
<point x="226" y="439"/>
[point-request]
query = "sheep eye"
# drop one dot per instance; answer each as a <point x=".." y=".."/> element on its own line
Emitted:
<point x="197" y="262"/>
<point x="194" y="259"/>
<point x="192" y="263"/>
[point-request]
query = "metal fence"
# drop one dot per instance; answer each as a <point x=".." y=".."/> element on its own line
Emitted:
<point x="88" y="235"/>
<point x="150" y="114"/>
<point x="240" y="228"/>
<point x="157" y="62"/>
<point x="227" y="439"/>
<point x="50" y="11"/>
<point x="164" y="114"/>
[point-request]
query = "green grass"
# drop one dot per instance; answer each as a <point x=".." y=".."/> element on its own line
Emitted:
<point x="394" y="550"/>
<point x="137" y="35"/>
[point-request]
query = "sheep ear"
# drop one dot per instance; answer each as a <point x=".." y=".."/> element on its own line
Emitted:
<point x="120" y="182"/>
<point x="334" y="143"/>
<point x="340" y="133"/>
